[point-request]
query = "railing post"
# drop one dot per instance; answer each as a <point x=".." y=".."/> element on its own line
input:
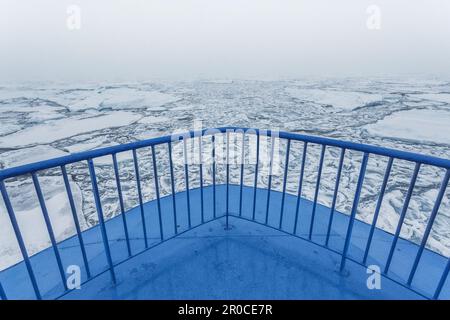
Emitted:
<point x="186" y="179"/>
<point x="2" y="293"/>
<point x="141" y="204"/>
<point x="19" y="238"/>
<point x="300" y="184"/>
<point x="101" y="219"/>
<point x="269" y="186"/>
<point x="228" y="178"/>
<point x="158" y="202"/>
<point x="200" y="158"/>
<point x="75" y="220"/>
<point x="316" y="192"/>
<point x="433" y="215"/>
<point x="256" y="175"/>
<point x="286" y="167"/>
<point x="122" y="207"/>
<point x="354" y="209"/>
<point x="172" y="183"/>
<point x="377" y="209"/>
<point x="242" y="173"/>
<point x="213" y="141"/>
<point x="442" y="280"/>
<point x="402" y="216"/>
<point x="48" y="224"/>
<point x="336" y="189"/>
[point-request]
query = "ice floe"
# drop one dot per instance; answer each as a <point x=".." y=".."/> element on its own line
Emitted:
<point x="124" y="98"/>
<point x="423" y="125"/>
<point x="30" y="218"/>
<point x="98" y="115"/>
<point x="59" y="129"/>
<point x="339" y="99"/>
<point x="440" y="97"/>
<point x="28" y="155"/>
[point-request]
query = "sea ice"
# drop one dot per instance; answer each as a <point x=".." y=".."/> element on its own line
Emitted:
<point x="28" y="155"/>
<point x="30" y="218"/>
<point x="123" y="98"/>
<point x="339" y="99"/>
<point x="59" y="129"/>
<point x="440" y="97"/>
<point x="423" y="125"/>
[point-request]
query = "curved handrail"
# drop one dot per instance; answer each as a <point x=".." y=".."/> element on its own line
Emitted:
<point x="418" y="159"/>
<point x="90" y="154"/>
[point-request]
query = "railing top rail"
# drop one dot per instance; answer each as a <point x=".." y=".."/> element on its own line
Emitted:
<point x="81" y="156"/>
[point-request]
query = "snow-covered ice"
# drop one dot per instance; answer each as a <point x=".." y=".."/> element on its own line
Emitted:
<point x="30" y="219"/>
<point x="29" y="155"/>
<point x="422" y="126"/>
<point x="56" y="130"/>
<point x="123" y="98"/>
<point x="40" y="121"/>
<point x="440" y="97"/>
<point x="340" y="99"/>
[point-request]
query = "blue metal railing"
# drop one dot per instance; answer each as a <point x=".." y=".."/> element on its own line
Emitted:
<point x="168" y="141"/>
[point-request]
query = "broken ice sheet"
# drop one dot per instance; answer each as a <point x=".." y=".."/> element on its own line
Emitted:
<point x="30" y="219"/>
<point x="59" y="129"/>
<point x="347" y="100"/>
<point x="423" y="126"/>
<point x="28" y="155"/>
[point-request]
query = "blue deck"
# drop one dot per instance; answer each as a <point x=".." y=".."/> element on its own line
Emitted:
<point x="248" y="261"/>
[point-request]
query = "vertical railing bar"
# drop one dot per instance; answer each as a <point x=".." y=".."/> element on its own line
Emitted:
<point x="354" y="209"/>
<point x="256" y="175"/>
<point x="75" y="220"/>
<point x="427" y="232"/>
<point x="242" y="173"/>
<point x="269" y="186"/>
<point x="286" y="166"/>
<point x="336" y="190"/>
<point x="158" y="201"/>
<point x="19" y="238"/>
<point x="300" y="184"/>
<point x="2" y="293"/>
<point x="402" y="216"/>
<point x="213" y="141"/>
<point x="172" y="182"/>
<point x="316" y="192"/>
<point x="122" y="207"/>
<point x="141" y="204"/>
<point x="228" y="178"/>
<point x="49" y="227"/>
<point x="378" y="207"/>
<point x="201" y="177"/>
<point x="442" y="280"/>
<point x="186" y="178"/>
<point x="101" y="219"/>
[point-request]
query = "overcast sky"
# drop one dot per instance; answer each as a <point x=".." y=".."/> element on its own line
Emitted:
<point x="183" y="39"/>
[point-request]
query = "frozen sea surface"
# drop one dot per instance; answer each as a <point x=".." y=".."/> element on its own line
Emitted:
<point x="44" y="120"/>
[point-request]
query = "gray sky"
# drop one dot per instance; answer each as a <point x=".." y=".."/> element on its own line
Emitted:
<point x="183" y="39"/>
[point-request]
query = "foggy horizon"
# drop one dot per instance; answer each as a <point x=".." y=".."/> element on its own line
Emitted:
<point x="197" y="39"/>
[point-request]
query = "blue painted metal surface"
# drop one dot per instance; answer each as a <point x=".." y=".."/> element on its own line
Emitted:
<point x="275" y="210"/>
